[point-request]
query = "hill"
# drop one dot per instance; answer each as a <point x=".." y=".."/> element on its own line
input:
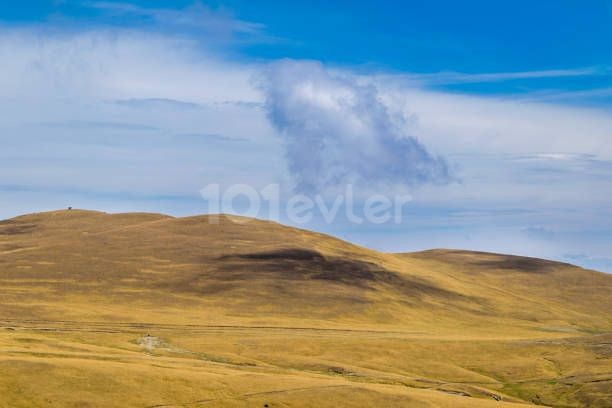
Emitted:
<point x="150" y="310"/>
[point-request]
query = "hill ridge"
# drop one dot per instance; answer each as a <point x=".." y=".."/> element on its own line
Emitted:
<point x="133" y="296"/>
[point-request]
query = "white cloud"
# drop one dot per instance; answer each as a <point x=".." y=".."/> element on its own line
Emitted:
<point x="116" y="64"/>
<point x="449" y="77"/>
<point x="491" y="125"/>
<point x="106" y="111"/>
<point x="337" y="131"/>
<point x="218" y="23"/>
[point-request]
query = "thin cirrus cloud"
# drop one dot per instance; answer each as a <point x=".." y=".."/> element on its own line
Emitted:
<point x="152" y="103"/>
<point x="131" y="66"/>
<point x="97" y="125"/>
<point x="582" y="96"/>
<point x="447" y="78"/>
<point x="198" y="17"/>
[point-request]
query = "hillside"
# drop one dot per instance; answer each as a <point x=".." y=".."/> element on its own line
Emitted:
<point x="151" y="310"/>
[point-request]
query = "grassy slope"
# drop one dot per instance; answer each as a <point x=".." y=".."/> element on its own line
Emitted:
<point x="253" y="313"/>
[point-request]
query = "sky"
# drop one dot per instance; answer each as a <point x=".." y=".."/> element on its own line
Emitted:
<point x="495" y="117"/>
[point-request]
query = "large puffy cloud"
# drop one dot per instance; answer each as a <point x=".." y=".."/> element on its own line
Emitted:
<point x="336" y="130"/>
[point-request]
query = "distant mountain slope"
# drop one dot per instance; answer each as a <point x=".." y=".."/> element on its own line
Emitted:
<point x="252" y="269"/>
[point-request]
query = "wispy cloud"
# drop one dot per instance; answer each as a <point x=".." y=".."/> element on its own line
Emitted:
<point x="554" y="156"/>
<point x="213" y="138"/>
<point x="540" y="232"/>
<point x="243" y="104"/>
<point x="555" y="95"/>
<point x="577" y="165"/>
<point x="148" y="103"/>
<point x="134" y="66"/>
<point x="198" y="16"/>
<point x="449" y="77"/>
<point x="97" y="125"/>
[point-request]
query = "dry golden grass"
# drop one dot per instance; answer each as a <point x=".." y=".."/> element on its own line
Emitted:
<point x="146" y="310"/>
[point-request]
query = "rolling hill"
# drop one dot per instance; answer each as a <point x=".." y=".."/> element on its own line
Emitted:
<point x="148" y="310"/>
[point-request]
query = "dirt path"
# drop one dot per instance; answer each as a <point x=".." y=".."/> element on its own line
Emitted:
<point x="134" y="327"/>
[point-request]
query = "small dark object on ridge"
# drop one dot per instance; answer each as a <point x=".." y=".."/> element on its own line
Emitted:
<point x="69" y="208"/>
<point x="266" y="405"/>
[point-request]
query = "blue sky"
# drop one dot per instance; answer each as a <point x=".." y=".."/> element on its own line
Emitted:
<point x="416" y="36"/>
<point x="495" y="116"/>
